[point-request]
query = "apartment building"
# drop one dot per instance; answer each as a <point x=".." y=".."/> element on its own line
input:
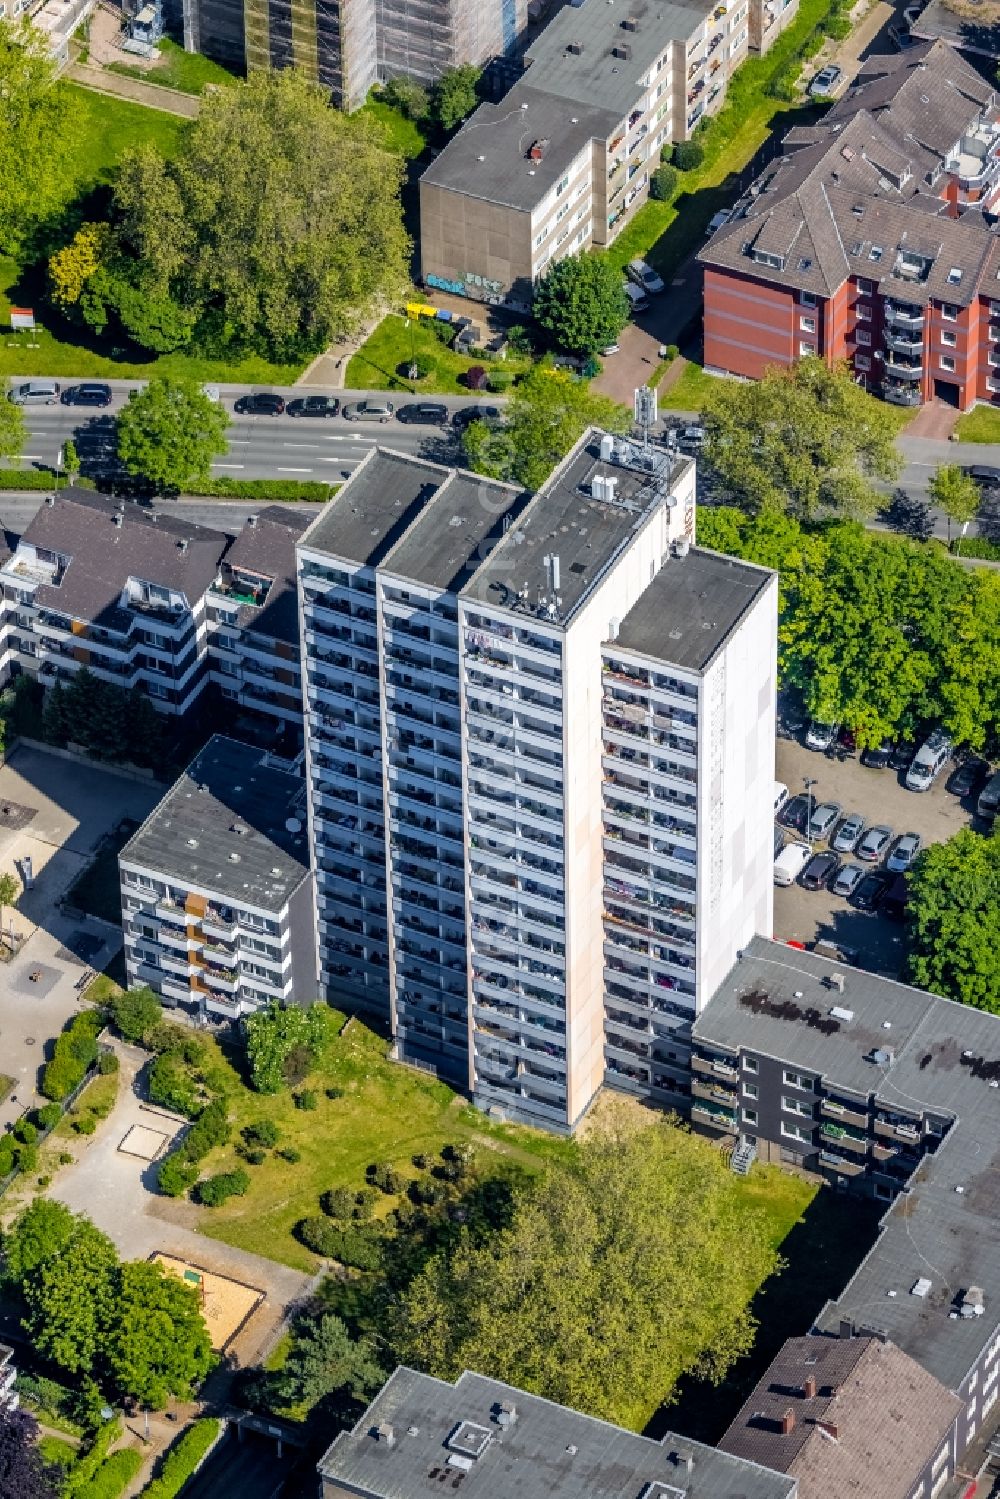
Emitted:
<point x="217" y="894"/>
<point x="9" y="1398"/>
<point x="891" y="1092"/>
<point x="867" y="240"/>
<point x="562" y="163"/>
<point x="488" y="1438"/>
<point x="349" y="45"/>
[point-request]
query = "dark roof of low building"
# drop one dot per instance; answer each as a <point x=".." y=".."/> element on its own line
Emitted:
<point x="917" y="1056"/>
<point x="489" y="158"/>
<point x="452" y="1432"/>
<point x="374" y="509"/>
<point x="870" y="1420"/>
<point x="266" y="547"/>
<point x="692" y="606"/>
<point x="978" y="33"/>
<point x="223" y="827"/>
<point x="104" y="554"/>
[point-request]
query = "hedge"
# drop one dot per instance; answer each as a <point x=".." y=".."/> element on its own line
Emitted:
<point x="356" y="1247"/>
<point x="275" y="490"/>
<point x="113" y="1476"/>
<point x="182" y="1459"/>
<point x="75" y="1051"/>
<point x="36" y="478"/>
<point x="976" y="546"/>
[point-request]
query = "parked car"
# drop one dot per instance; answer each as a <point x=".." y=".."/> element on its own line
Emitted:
<point x="985" y="476"/>
<point x="260" y="403"/>
<point x="988" y="805"/>
<point x="34" y="393"/>
<point x="870" y="891"/>
<point x="846" y="742"/>
<point x="874" y="843"/>
<point x="904" y="851"/>
<point x="818" y="870"/>
<point x="642" y="273"/>
<point x="780" y="796"/>
<point x="718" y="219"/>
<point x="878" y="757"/>
<point x="822" y="820"/>
<point x="895" y="900"/>
<point x="968" y="778"/>
<point x="845" y="840"/>
<point x="825" y="82"/>
<point x="779" y="841"/>
<point x="790" y="863"/>
<point x="791" y="719"/>
<point x="423" y="413"/>
<point x="847" y="880"/>
<point x="368" y="411"/>
<point x="470" y="414"/>
<point x="90" y="393"/>
<point x="929" y="761"/>
<point x="795" y="813"/>
<point x="314" y="406"/>
<point x="903" y="751"/>
<point x="637" y="298"/>
<point x="690" y="437"/>
<point x="820" y="735"/>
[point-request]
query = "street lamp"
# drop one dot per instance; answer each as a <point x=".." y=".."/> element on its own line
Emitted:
<point x="809" y="782"/>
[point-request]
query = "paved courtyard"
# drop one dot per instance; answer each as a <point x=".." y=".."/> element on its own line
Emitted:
<point x="880" y="796"/>
<point x="55" y="813"/>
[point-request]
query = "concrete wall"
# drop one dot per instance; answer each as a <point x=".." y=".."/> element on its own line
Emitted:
<point x="461" y="236"/>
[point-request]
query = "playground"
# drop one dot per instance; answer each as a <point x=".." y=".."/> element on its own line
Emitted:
<point x="227" y="1305"/>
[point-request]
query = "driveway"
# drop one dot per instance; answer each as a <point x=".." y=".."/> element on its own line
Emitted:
<point x="880" y="796"/>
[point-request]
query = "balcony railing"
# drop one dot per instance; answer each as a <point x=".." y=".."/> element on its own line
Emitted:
<point x="908" y="316"/>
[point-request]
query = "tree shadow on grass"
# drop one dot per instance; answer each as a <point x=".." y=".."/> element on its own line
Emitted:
<point x="822" y="1252"/>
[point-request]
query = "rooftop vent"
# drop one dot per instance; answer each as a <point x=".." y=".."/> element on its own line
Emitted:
<point x="240" y="829"/>
<point x="234" y="857"/>
<point x="182" y="545"/>
<point x="973" y="1302"/>
<point x="622" y="50"/>
<point x="575" y="48"/>
<point x="251" y="521"/>
<point x="835" y="981"/>
<point x="385" y="1433"/>
<point x="505" y="1414"/>
<point x="117" y="519"/>
<point x="537" y="149"/>
<point x="469" y="1439"/>
<point x="50" y="499"/>
<point x="192" y="843"/>
<point x="682" y="1458"/>
<point x="630" y="23"/>
<point x="839" y="1013"/>
<point x="920" y="1287"/>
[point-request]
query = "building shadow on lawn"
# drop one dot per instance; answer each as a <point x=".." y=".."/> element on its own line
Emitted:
<point x="822" y="1252"/>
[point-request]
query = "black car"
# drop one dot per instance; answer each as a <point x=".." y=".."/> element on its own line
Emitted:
<point x="423" y="413"/>
<point x="872" y="891"/>
<point x="91" y="393"/>
<point x="878" y="757"/>
<point x="470" y="414"/>
<point x="261" y="403"/>
<point x="795" y="813"/>
<point x="902" y="755"/>
<point x="985" y="476"/>
<point x="821" y="867"/>
<point x="314" y="406"/>
<point x="969" y="778"/>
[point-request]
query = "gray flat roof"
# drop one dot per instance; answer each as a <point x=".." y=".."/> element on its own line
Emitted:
<point x="550" y="1452"/>
<point x="381" y="499"/>
<point x="488" y="158"/>
<point x="456" y="531"/>
<point x="692" y="607"/>
<point x="228" y="802"/>
<point x="594" y="76"/>
<point x="967" y="33"/>
<point x="944" y="1058"/>
<point x="567" y="520"/>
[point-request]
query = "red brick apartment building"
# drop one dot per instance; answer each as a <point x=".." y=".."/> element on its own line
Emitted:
<point x="872" y="239"/>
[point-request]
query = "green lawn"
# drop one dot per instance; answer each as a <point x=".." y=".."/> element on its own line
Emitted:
<point x="402" y="134"/>
<point x="188" y="72"/>
<point x="374" y="366"/>
<point x="690" y="391"/>
<point x="103" y="128"/>
<point x="981" y="424"/>
<point x="97" y="891"/>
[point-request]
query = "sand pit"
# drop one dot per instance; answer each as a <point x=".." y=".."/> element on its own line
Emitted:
<point x="226" y="1304"/>
<point x="145" y="1143"/>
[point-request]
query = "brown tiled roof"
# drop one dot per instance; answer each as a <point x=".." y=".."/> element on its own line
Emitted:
<point x="850" y="1418"/>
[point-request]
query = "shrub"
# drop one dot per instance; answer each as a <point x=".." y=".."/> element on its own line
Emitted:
<point x="74" y="1052"/>
<point x="27" y="1132"/>
<point x="364" y="1204"/>
<point x="443" y="331"/>
<point x="265" y="1132"/>
<point x="977" y="546"/>
<point x="48" y="1115"/>
<point x="813" y="43"/>
<point x="211" y="1128"/>
<point x="182" y="1459"/>
<point x="276" y="491"/>
<point x="334" y="1093"/>
<point x="420" y="364"/>
<point x="290" y="1154"/>
<point x="175" y="1176"/>
<point x="353" y="1246"/>
<point x="85" y="1125"/>
<point x="252" y="1154"/>
<point x="107" y="1063"/>
<point x="43" y="1181"/>
<point x="112" y="1477"/>
<point x="663" y="183"/>
<point x="688" y="155"/>
<point x="27" y="1158"/>
<point x="785" y="83"/>
<point x="838" y="28"/>
<point x="667" y="153"/>
<point x="421" y="1161"/>
<point x="519" y="339"/>
<point x="672" y="353"/>
<point x="216" y="1190"/>
<point x="338" y="1202"/>
<point x="65" y="1159"/>
<point x="136" y="1012"/>
<point x="498" y="381"/>
<point x="307" y="1099"/>
<point x="475" y="377"/>
<point x="171" y="1085"/>
<point x="6" y="1158"/>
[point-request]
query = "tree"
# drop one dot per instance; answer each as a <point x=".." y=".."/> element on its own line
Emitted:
<point x="956" y="493"/>
<point x="13" y="428"/>
<point x="807" y="440"/>
<point x="546" y="415"/>
<point x="618" y="1273"/>
<point x="35" y="130"/>
<point x="953" y="913"/>
<point x="409" y="97"/>
<point x="688" y="155"/>
<point x="72" y="267"/>
<point x="325" y="1360"/>
<point x="581" y="303"/>
<point x="274" y="1033"/>
<point x="24" y="1474"/>
<point x="170" y="431"/>
<point x="36" y="1236"/>
<point x="276" y="227"/>
<point x="136" y="1011"/>
<point x="70" y="1300"/>
<point x="9" y="890"/>
<point x="455" y="95"/>
<point x="158" y="1344"/>
<point x="71" y="460"/>
<point x="663" y="183"/>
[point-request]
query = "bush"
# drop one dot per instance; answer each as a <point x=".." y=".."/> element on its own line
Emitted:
<point x="421" y="1161"/>
<point x="25" y="1131"/>
<point x="211" y="1128"/>
<point x="338" y="1202"/>
<point x="307" y="1099"/>
<point x="112" y="1477"/>
<point x="353" y="1246"/>
<point x="688" y="155"/>
<point x="290" y="1154"/>
<point x="182" y="1459"/>
<point x="785" y="83"/>
<point x="6" y="1158"/>
<point x="48" y="1116"/>
<point x="85" y="1125"/>
<point x="977" y="546"/>
<point x="663" y="184"/>
<point x="136" y="1012"/>
<point x="389" y="1181"/>
<point x="420" y="364"/>
<point x="252" y="1154"/>
<point x="498" y="381"/>
<point x="65" y="1159"/>
<point x="813" y="43"/>
<point x="171" y="1085"/>
<point x="672" y="352"/>
<point x="334" y="1093"/>
<point x="667" y="153"/>
<point x="27" y="1158"/>
<point x="443" y="331"/>
<point x="838" y="28"/>
<point x="74" y="1052"/>
<point x="175" y="1176"/>
<point x="216" y="1190"/>
<point x="272" y="491"/>
<point x="107" y="1063"/>
<point x="265" y="1132"/>
<point x="364" y="1204"/>
<point x="475" y="377"/>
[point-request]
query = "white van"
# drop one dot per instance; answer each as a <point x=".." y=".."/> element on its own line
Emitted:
<point x="35" y="393"/>
<point x="780" y="796"/>
<point x="790" y="863"/>
<point x="929" y="761"/>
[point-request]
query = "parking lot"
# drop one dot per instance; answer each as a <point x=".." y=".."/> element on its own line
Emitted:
<point x="880" y="797"/>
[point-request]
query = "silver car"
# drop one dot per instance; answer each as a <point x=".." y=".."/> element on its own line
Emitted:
<point x="905" y="850"/>
<point x="822" y="820"/>
<point x="849" y="877"/>
<point x="368" y="411"/>
<point x="846" y="837"/>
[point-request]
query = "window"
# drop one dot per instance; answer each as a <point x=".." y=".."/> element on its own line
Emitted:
<point x="946" y="363"/>
<point x="948" y="339"/>
<point x="875" y="253"/>
<point x="807" y="324"/>
<point x="954" y="275"/>
<point x="806" y="349"/>
<point x="865" y="287"/>
<point x="750" y="1090"/>
<point x="797" y="1106"/>
<point x="862" y="336"/>
<point x="796" y="1080"/>
<point x="750" y="1064"/>
<point x="563" y="185"/>
<point x="749" y="1116"/>
<point x="949" y="312"/>
<point x="807" y="298"/>
<point x="883" y="1193"/>
<point x="795" y="1132"/>
<point x="862" y="362"/>
<point x="863" y="312"/>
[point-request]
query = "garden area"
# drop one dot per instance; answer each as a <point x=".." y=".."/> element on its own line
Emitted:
<point x="981" y="424"/>
<point x="381" y="361"/>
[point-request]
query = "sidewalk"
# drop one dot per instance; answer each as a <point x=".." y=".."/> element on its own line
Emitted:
<point x="152" y="95"/>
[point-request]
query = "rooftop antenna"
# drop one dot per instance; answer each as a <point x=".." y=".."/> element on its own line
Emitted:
<point x="644" y="409"/>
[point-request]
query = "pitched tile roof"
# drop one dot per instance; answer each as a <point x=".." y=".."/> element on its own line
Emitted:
<point x="266" y="546"/>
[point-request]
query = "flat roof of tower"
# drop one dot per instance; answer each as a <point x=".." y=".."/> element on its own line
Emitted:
<point x="456" y="531"/>
<point x="692" y="606"/>
<point x="379" y="502"/>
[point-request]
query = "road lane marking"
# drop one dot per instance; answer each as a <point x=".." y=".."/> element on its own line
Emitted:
<point x="314" y="446"/>
<point x="229" y="465"/>
<point x="294" y="470"/>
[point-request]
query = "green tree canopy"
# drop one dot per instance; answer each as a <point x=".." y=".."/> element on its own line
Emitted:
<point x="616" y="1276"/>
<point x="136" y="1011"/>
<point x="956" y="493"/>
<point x="954" y="919"/>
<point x="274" y="1033"/>
<point x="38" y="1235"/>
<point x="807" y="440"/>
<point x="157" y="1344"/>
<point x="24" y="1474"/>
<point x="546" y="415"/>
<point x="276" y="227"/>
<point x="169" y="432"/>
<point x="70" y="1299"/>
<point x="13" y="428"/>
<point x="581" y="303"/>
<point x="325" y="1360"/>
<point x="455" y="95"/>
<point x="34" y="122"/>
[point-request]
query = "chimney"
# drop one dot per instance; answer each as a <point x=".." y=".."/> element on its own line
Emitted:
<point x="50" y="499"/>
<point x="384" y="1433"/>
<point x="622" y="51"/>
<point x="846" y="1328"/>
<point x="682" y="1459"/>
<point x="830" y="1429"/>
<point x="506" y="1414"/>
<point x="576" y="48"/>
<point x="251" y="521"/>
<point x="182" y="545"/>
<point x="788" y="1422"/>
<point x="809" y="1387"/>
<point x="630" y="23"/>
